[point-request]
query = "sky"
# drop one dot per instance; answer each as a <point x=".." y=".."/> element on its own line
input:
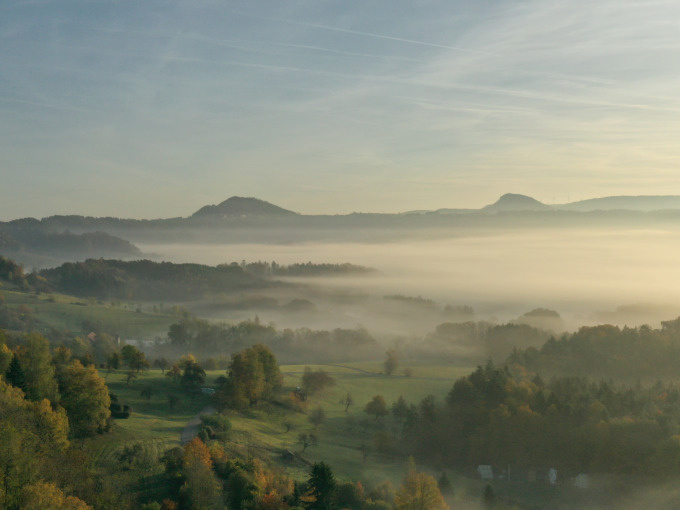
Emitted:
<point x="154" y="108"/>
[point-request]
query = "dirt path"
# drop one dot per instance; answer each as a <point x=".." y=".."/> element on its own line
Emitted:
<point x="351" y="368"/>
<point x="191" y="429"/>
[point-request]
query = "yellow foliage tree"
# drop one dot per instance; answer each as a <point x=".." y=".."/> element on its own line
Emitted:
<point x="85" y="398"/>
<point x="201" y="485"/>
<point x="33" y="435"/>
<point x="419" y="491"/>
<point x="47" y="496"/>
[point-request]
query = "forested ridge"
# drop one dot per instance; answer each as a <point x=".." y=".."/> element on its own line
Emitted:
<point x="574" y="424"/>
<point x="623" y="353"/>
<point x="149" y="280"/>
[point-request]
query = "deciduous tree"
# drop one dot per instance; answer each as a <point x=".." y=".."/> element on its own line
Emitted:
<point x="377" y="407"/>
<point x="391" y="362"/>
<point x="46" y="495"/>
<point x="201" y="487"/>
<point x="134" y="358"/>
<point x="419" y="491"/>
<point x="253" y="375"/>
<point x="85" y="398"/>
<point x="193" y="375"/>
<point x="315" y="381"/>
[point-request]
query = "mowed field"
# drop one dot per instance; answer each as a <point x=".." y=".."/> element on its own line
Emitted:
<point x="129" y="320"/>
<point x="269" y="430"/>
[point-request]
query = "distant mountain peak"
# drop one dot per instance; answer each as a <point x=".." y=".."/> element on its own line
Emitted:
<point x="626" y="202"/>
<point x="242" y="206"/>
<point x="516" y="202"/>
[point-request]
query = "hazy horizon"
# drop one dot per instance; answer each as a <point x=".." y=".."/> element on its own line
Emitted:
<point x="589" y="277"/>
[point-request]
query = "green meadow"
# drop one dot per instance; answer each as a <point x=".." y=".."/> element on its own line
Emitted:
<point x="270" y="429"/>
<point x="128" y="320"/>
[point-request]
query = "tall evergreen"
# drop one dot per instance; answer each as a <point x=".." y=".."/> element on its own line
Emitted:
<point x="322" y="486"/>
<point x="15" y="374"/>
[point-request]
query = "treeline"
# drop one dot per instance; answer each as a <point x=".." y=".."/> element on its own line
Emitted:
<point x="303" y="269"/>
<point x="475" y="340"/>
<point x="206" y="339"/>
<point x="571" y="424"/>
<point x="202" y="476"/>
<point x="610" y="351"/>
<point x="29" y="239"/>
<point x="147" y="280"/>
<point x="14" y="274"/>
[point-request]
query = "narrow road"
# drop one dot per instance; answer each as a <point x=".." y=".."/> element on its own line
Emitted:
<point x="351" y="368"/>
<point x="191" y="429"/>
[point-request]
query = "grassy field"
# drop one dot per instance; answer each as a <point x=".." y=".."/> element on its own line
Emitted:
<point x="262" y="431"/>
<point x="68" y="313"/>
<point x="152" y="423"/>
<point x="342" y="433"/>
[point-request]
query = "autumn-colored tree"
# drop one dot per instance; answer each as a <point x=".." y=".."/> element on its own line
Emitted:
<point x="201" y="488"/>
<point x="193" y="375"/>
<point x="377" y="407"/>
<point x="271" y="501"/>
<point x="33" y="436"/>
<point x="47" y="496"/>
<point x="175" y="372"/>
<point x="85" y="398"/>
<point x="419" y="491"/>
<point x="169" y="504"/>
<point x="196" y="452"/>
<point x="5" y="358"/>
<point x="62" y="357"/>
<point x="314" y="381"/>
<point x="253" y="375"/>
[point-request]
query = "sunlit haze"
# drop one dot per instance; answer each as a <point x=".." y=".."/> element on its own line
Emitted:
<point x="156" y="108"/>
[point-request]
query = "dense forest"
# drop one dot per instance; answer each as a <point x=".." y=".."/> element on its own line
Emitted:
<point x="622" y="353"/>
<point x="148" y="280"/>
<point x="570" y="423"/>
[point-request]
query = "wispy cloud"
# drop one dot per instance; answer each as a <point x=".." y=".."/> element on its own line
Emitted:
<point x="255" y="100"/>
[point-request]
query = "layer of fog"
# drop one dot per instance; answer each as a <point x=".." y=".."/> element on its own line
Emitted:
<point x="623" y="277"/>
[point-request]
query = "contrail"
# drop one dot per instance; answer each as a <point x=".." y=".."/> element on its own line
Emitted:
<point x="372" y="34"/>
